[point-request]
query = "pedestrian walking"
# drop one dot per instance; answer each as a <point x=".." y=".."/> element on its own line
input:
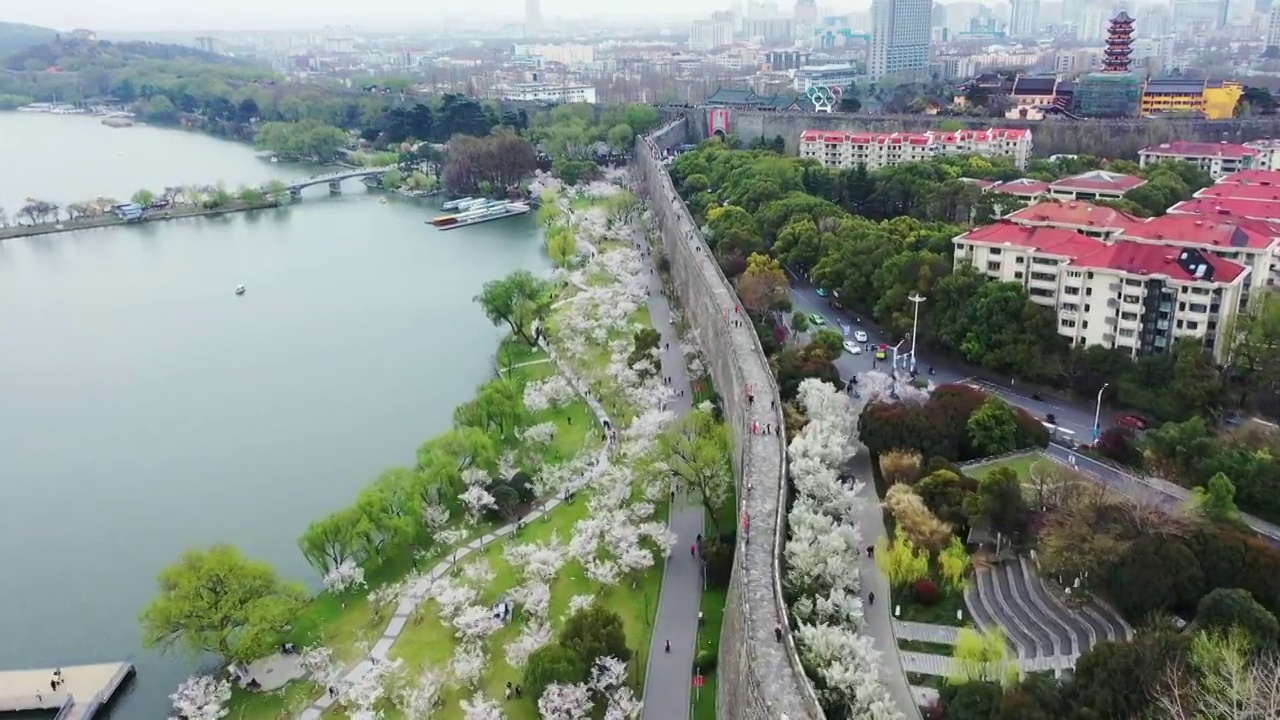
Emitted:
<point x="668" y="646"/>
<point x="871" y="598"/>
<point x="871" y="551"/>
<point x="693" y="550"/>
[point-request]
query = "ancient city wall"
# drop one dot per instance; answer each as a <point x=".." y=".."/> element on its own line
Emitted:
<point x="759" y="677"/>
<point x="1120" y="138"/>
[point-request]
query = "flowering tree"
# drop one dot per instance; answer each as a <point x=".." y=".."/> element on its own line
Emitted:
<point x="343" y="577"/>
<point x="480" y="707"/>
<point x="201" y="697"/>
<point x="318" y="662"/>
<point x="477" y="500"/>
<point x="362" y="696"/>
<point x="533" y="635"/>
<point x="565" y="702"/>
<point x="468" y="664"/>
<point x="419" y="699"/>
<point x="823" y="572"/>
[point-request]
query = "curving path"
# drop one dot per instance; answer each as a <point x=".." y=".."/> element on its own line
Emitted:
<point x="667" y="677"/>
<point x="421" y="588"/>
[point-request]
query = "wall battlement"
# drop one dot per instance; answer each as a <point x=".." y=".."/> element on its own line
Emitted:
<point x="760" y="677"/>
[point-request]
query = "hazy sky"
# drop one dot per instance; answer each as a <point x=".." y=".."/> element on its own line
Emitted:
<point x="277" y="15"/>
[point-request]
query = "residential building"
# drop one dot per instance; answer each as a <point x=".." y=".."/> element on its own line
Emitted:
<point x="828" y="76"/>
<point x="1024" y="188"/>
<point x="1094" y="185"/>
<point x="1268" y="151"/>
<point x="713" y="33"/>
<point x="550" y="92"/>
<point x="1127" y="294"/>
<point x="1024" y="19"/>
<point x="875" y="150"/>
<point x="532" y="18"/>
<point x="805" y="21"/>
<point x="1198" y="17"/>
<point x="1217" y="159"/>
<point x="1273" y="26"/>
<point x="899" y="38"/>
<point x="1214" y="99"/>
<point x="207" y="44"/>
<point x="781" y="60"/>
<point x="769" y="30"/>
<point x="1255" y="176"/>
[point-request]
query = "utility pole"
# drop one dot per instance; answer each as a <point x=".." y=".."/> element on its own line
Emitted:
<point x="1097" y="414"/>
<point x="915" y="298"/>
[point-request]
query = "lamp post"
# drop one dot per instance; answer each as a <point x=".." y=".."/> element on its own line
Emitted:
<point x="1097" y="414"/>
<point x="915" y="298"/>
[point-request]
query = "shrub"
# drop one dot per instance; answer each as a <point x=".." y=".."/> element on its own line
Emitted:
<point x="916" y="520"/>
<point x="926" y="592"/>
<point x="900" y="466"/>
<point x="1119" y="444"/>
<point x="706" y="660"/>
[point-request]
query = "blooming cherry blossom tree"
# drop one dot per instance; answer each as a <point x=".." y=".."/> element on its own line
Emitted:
<point x="468" y="664"/>
<point x="533" y="635"/>
<point x="345" y="576"/>
<point x="420" y="698"/>
<point x="481" y="708"/>
<point x="477" y="500"/>
<point x="319" y="664"/>
<point x="201" y="697"/>
<point x="565" y="702"/>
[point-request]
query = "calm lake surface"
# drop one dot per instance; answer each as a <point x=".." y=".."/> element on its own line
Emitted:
<point x="145" y="409"/>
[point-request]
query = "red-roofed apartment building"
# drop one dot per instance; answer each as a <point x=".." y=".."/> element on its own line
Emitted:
<point x="876" y="150"/>
<point x="1217" y="159"/>
<point x="1128" y="284"/>
<point x="1095" y="185"/>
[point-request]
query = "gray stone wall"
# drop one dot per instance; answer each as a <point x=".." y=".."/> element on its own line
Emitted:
<point x="759" y="677"/>
<point x="1119" y="138"/>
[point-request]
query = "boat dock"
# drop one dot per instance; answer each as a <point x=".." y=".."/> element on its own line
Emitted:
<point x="495" y="211"/>
<point x="84" y="691"/>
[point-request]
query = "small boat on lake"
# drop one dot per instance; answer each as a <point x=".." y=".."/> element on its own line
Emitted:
<point x="239" y="289"/>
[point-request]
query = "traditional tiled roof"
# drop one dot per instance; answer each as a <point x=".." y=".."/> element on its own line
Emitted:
<point x="1022" y="187"/>
<point x="1180" y="149"/>
<point x="1098" y="181"/>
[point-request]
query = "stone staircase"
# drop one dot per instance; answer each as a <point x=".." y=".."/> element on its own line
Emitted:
<point x="1044" y="633"/>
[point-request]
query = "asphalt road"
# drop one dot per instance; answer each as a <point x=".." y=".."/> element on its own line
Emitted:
<point x="1075" y="419"/>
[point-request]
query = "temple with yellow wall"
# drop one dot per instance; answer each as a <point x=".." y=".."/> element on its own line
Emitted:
<point x="1211" y="99"/>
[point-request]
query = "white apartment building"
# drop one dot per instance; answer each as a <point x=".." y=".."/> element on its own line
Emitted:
<point x="1217" y="159"/>
<point x="1024" y="18"/>
<point x="900" y="35"/>
<point x="549" y="92"/>
<point x="840" y="75"/>
<point x="1273" y="26"/>
<point x="566" y="54"/>
<point x="875" y="150"/>
<point x="1133" y="294"/>
<point x="715" y="32"/>
<point x="1268" y="151"/>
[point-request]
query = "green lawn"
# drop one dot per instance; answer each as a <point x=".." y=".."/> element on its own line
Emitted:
<point x="712" y="607"/>
<point x="942" y="612"/>
<point x="1020" y="464"/>
<point x="285" y="702"/>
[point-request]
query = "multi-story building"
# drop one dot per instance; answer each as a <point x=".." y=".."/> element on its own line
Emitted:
<point x="1217" y="159"/>
<point x="1121" y="292"/>
<point x="1197" y="17"/>
<point x="781" y="60"/>
<point x="550" y="92"/>
<point x="1024" y="18"/>
<point x="532" y="18"/>
<point x="1268" y="151"/>
<point x="840" y="75"/>
<point x="1273" y="26"/>
<point x="1094" y="185"/>
<point x="1214" y="99"/>
<point x="874" y="150"/>
<point x="900" y="31"/>
<point x="712" y="33"/>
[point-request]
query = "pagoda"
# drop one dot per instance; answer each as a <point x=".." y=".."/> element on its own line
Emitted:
<point x="1119" y="45"/>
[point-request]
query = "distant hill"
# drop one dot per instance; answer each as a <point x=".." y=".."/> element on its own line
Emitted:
<point x="68" y="53"/>
<point x="16" y="37"/>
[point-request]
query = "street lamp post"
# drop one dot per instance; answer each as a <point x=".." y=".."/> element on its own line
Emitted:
<point x="1097" y="414"/>
<point x="915" y="298"/>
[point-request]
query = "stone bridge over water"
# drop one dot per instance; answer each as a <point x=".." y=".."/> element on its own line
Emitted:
<point x="334" y="179"/>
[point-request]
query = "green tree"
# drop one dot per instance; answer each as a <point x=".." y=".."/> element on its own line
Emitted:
<point x="303" y="140"/>
<point x="763" y="285"/>
<point x="993" y="429"/>
<point x="621" y="137"/>
<point x="392" y="179"/>
<point x="829" y="341"/>
<point x="982" y="656"/>
<point x="644" y="343"/>
<point x="595" y="633"/>
<point x="549" y="213"/>
<point x="498" y="409"/>
<point x="799" y="321"/>
<point x="159" y="109"/>
<point x="218" y="601"/>
<point x="277" y="190"/>
<point x="1155" y="574"/>
<point x="562" y="244"/>
<point x="249" y="195"/>
<point x="551" y="665"/>
<point x="1225" y="608"/>
<point x="999" y="501"/>
<point x="520" y="300"/>
<point x="900" y="560"/>
<point x="1217" y="499"/>
<point x="144" y="197"/>
<point x="697" y="450"/>
<point x="331" y="540"/>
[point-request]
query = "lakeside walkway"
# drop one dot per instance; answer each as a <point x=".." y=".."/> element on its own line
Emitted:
<point x="84" y="690"/>
<point x="669" y="675"/>
<point x="107" y="221"/>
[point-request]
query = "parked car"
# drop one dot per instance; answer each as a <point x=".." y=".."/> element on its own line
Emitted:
<point x="822" y="292"/>
<point x="1133" y="422"/>
<point x="817" y="320"/>
<point x="852" y="348"/>
<point x="860" y="336"/>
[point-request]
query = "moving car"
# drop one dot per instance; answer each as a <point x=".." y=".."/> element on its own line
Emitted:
<point x="860" y="336"/>
<point x="852" y="348"/>
<point x="817" y="320"/>
<point x="882" y="352"/>
<point x="822" y="292"/>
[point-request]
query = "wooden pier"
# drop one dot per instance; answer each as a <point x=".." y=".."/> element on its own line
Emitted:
<point x="86" y="688"/>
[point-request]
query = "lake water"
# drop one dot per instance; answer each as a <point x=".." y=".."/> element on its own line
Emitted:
<point x="145" y="409"/>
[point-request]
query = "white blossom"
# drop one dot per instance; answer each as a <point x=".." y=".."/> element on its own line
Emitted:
<point x="364" y="694"/>
<point x="319" y="664"/>
<point x="452" y="598"/>
<point x="480" y="707"/>
<point x="578" y="603"/>
<point x="468" y="664"/>
<point x="478" y="573"/>
<point x="477" y="500"/>
<point x="565" y="702"/>
<point x="533" y="635"/>
<point x="474" y="623"/>
<point x="537" y="561"/>
<point x="201" y="697"/>
<point x="418" y="698"/>
<point x="540" y="434"/>
<point x="435" y="515"/>
<point x="345" y="576"/>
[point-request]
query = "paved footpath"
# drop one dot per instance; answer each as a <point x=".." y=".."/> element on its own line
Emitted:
<point x="878" y="617"/>
<point x="668" y="677"/>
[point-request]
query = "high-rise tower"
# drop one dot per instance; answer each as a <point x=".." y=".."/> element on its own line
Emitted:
<point x="1119" y="45"/>
<point x="532" y="18"/>
<point x="900" y="35"/>
<point x="1024" y="20"/>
